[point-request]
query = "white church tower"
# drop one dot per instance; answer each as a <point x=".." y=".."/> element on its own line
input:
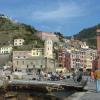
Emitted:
<point x="48" y="51"/>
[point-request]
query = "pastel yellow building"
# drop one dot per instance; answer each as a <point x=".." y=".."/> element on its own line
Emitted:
<point x="90" y="55"/>
<point x="37" y="52"/>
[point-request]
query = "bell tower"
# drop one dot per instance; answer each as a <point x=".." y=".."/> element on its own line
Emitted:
<point x="48" y="51"/>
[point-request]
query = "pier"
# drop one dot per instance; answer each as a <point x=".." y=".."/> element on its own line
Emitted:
<point x="45" y="86"/>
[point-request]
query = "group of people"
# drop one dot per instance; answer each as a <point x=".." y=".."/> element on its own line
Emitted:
<point x="77" y="76"/>
<point x="53" y="76"/>
<point x="95" y="74"/>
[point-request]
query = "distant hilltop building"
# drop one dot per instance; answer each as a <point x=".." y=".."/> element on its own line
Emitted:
<point x="47" y="35"/>
<point x="84" y="46"/>
<point x="18" y="42"/>
<point x="3" y="16"/>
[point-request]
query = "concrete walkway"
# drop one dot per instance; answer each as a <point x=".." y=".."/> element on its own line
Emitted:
<point x="90" y="94"/>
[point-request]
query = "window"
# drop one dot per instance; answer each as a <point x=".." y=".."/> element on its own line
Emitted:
<point x="23" y="62"/>
<point x="17" y="62"/>
<point x="40" y="66"/>
<point x="60" y="65"/>
<point x="42" y="53"/>
<point x="6" y="51"/>
<point x="33" y="53"/>
<point x="33" y="66"/>
<point x="31" y="63"/>
<point x="18" y="57"/>
<point x="15" y="43"/>
<point x="20" y="43"/>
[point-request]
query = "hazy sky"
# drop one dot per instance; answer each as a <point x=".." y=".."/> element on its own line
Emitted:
<point x="65" y="16"/>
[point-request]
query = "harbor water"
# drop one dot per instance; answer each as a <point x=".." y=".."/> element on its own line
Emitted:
<point x="29" y="95"/>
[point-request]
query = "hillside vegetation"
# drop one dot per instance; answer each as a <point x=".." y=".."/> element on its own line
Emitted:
<point x="10" y="30"/>
<point x="88" y="35"/>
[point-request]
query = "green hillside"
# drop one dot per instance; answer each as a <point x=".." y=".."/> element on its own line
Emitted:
<point x="10" y="30"/>
<point x="88" y="35"/>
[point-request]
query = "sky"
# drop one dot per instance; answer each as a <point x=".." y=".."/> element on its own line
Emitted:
<point x="66" y="16"/>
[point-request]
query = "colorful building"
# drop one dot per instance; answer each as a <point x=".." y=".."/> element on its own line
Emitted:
<point x="18" y="42"/>
<point x="64" y="59"/>
<point x="37" y="52"/>
<point x="6" y="49"/>
<point x="83" y="58"/>
<point x="23" y="60"/>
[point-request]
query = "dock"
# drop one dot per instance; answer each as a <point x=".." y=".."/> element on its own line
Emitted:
<point x="46" y="86"/>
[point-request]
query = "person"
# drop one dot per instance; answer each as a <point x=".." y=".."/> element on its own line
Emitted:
<point x="95" y="63"/>
<point x="74" y="77"/>
<point x="91" y="76"/>
<point x="80" y="75"/>
<point x="97" y="78"/>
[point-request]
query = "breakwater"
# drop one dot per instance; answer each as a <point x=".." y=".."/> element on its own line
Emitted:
<point x="39" y="90"/>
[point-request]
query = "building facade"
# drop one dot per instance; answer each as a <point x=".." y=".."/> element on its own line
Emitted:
<point x="6" y="49"/>
<point x="18" y="42"/>
<point x="37" y="52"/>
<point x="84" y="46"/>
<point x="48" y="49"/>
<point x="75" y="59"/>
<point x="90" y="56"/>
<point x="23" y="60"/>
<point x="64" y="59"/>
<point x="19" y="59"/>
<point x="83" y="58"/>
